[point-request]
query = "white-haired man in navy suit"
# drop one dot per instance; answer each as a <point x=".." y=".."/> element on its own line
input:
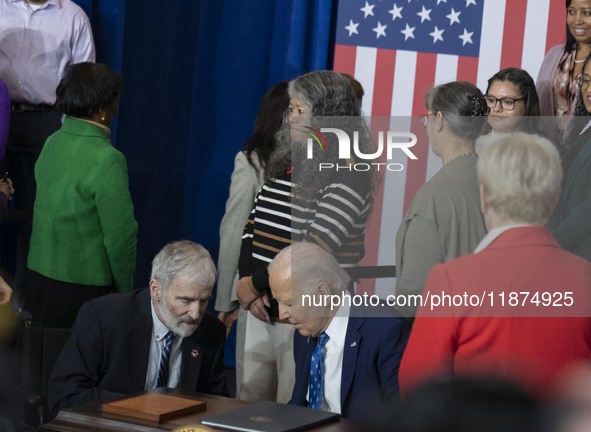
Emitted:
<point x="362" y="346"/>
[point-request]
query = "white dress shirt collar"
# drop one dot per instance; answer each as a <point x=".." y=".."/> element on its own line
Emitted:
<point x="159" y="331"/>
<point x="337" y="329"/>
<point x="496" y="232"/>
<point x="333" y="360"/>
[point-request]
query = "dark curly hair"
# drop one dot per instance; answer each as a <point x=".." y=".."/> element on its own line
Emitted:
<point x="87" y="88"/>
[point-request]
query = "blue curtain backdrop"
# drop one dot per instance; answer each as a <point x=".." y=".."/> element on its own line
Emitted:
<point x="107" y="18"/>
<point x="194" y="74"/>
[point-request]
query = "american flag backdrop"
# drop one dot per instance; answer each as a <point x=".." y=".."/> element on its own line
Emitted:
<point x="398" y="49"/>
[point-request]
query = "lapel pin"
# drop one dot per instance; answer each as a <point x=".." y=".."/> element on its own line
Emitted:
<point x="194" y="353"/>
<point x="354" y="344"/>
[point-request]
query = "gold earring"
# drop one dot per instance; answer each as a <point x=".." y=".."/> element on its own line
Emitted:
<point x="103" y="117"/>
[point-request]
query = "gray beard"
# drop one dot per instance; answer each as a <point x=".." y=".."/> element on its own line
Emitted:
<point x="178" y="325"/>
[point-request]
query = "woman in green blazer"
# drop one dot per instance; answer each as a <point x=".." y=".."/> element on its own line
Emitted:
<point x="83" y="243"/>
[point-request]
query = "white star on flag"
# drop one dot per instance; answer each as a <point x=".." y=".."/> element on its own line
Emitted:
<point x="466" y="37"/>
<point x="396" y="12"/>
<point x="454" y="17"/>
<point x="408" y="32"/>
<point x="441" y="1"/>
<point x="367" y="9"/>
<point x="424" y="14"/>
<point x="469" y="2"/>
<point x="437" y="34"/>
<point x="352" y="27"/>
<point x="380" y="30"/>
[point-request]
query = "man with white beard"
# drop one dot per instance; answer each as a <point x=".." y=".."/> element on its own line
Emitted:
<point x="161" y="336"/>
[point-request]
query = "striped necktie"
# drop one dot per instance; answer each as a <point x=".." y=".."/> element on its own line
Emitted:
<point x="316" y="387"/>
<point x="162" y="380"/>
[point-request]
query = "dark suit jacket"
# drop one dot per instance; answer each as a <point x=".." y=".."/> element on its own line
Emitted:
<point x="373" y="349"/>
<point x="107" y="355"/>
<point x="571" y="223"/>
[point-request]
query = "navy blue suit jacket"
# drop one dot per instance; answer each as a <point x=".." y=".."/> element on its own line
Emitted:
<point x="373" y="349"/>
<point x="107" y="354"/>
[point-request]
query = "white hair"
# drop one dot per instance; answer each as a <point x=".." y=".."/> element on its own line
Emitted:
<point x="187" y="258"/>
<point x="309" y="264"/>
<point x="521" y="175"/>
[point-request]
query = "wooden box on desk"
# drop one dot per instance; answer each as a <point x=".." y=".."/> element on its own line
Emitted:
<point x="153" y="407"/>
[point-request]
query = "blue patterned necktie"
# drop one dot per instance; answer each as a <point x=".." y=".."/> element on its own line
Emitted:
<point x="162" y="380"/>
<point x="316" y="387"/>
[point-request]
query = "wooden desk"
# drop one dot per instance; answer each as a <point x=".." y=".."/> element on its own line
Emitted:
<point x="89" y="417"/>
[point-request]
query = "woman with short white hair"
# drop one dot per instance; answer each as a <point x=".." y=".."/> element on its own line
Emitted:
<point x="515" y="186"/>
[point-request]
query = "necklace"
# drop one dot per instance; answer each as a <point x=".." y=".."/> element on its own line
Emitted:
<point x="105" y="129"/>
<point x="463" y="155"/>
<point x="577" y="51"/>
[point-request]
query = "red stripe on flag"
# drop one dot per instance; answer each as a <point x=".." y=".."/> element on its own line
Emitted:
<point x="424" y="81"/>
<point x="556" y="24"/>
<point x="383" y="83"/>
<point x="511" y="54"/>
<point x="416" y="170"/>
<point x="467" y="69"/>
<point x="344" y="59"/>
<point x="380" y="122"/>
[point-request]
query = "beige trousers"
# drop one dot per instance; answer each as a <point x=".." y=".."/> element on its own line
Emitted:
<point x="268" y="368"/>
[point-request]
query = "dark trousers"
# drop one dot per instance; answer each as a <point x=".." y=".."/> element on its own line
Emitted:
<point x="55" y="304"/>
<point x="27" y="135"/>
